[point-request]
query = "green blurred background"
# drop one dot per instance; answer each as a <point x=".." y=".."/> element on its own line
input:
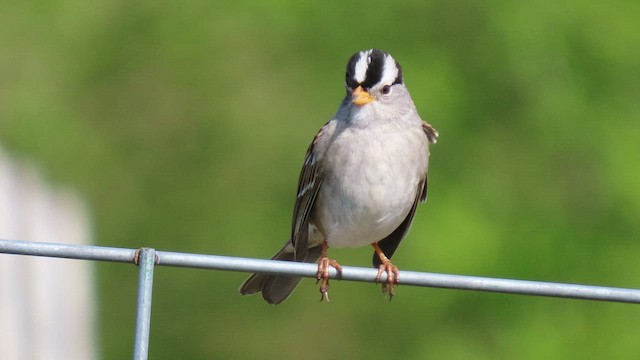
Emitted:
<point x="185" y="123"/>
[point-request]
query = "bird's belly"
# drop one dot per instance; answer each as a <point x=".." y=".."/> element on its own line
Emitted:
<point x="363" y="205"/>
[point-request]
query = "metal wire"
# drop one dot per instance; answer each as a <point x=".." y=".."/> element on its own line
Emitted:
<point x="228" y="263"/>
<point x="147" y="258"/>
<point x="69" y="251"/>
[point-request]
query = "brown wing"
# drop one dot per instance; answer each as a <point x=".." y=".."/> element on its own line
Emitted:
<point x="389" y="244"/>
<point x="308" y="188"/>
<point x="431" y="132"/>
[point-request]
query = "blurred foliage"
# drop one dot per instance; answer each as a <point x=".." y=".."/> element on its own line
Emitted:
<point x="185" y="124"/>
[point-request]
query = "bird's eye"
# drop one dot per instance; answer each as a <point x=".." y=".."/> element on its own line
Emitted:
<point x="386" y="90"/>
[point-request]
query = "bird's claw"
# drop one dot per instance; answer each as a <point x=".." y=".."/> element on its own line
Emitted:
<point x="392" y="278"/>
<point x="322" y="275"/>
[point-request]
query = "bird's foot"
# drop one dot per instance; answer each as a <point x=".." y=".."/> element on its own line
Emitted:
<point x="323" y="275"/>
<point x="392" y="278"/>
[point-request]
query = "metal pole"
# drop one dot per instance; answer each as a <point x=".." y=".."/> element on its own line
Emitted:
<point x="146" y="260"/>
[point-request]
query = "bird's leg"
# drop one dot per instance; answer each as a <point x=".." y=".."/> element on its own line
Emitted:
<point x="323" y="271"/>
<point x="390" y="269"/>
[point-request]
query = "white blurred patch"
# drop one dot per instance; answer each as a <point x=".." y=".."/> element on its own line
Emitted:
<point x="47" y="306"/>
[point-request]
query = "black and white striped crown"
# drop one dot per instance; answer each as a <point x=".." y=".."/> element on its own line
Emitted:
<point x="371" y="67"/>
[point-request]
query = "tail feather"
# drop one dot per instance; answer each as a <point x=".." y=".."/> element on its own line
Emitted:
<point x="277" y="288"/>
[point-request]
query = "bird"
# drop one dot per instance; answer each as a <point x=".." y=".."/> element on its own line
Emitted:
<point x="363" y="176"/>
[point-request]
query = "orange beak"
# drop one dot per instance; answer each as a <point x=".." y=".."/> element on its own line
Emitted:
<point x="361" y="97"/>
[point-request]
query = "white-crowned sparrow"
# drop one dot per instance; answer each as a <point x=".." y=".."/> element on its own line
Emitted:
<point x="363" y="176"/>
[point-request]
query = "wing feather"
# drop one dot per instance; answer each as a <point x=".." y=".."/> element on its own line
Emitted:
<point x="308" y="187"/>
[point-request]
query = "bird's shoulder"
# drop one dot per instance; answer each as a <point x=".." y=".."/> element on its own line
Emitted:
<point x="320" y="143"/>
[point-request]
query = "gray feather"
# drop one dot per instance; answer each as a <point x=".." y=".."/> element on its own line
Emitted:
<point x="276" y="288"/>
